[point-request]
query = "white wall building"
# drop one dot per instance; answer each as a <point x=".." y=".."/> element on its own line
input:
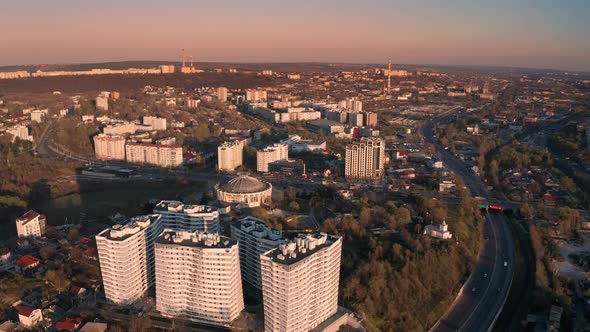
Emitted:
<point x="438" y="231"/>
<point x="198" y="277"/>
<point x="20" y="131"/>
<point x="255" y="95"/>
<point x="255" y="238"/>
<point x="31" y="224"/>
<point x="365" y="159"/>
<point x="126" y="256"/>
<point x="300" y="283"/>
<point x="102" y="103"/>
<point x="156" y="122"/>
<point x="39" y="115"/>
<point x="229" y="156"/>
<point x="108" y="147"/>
<point x="154" y="154"/>
<point x="278" y="151"/>
<point x="186" y="217"/>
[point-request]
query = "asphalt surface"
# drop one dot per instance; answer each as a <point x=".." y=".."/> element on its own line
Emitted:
<point x="482" y="298"/>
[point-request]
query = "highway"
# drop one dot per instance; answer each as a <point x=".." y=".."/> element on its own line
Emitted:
<point x="482" y="297"/>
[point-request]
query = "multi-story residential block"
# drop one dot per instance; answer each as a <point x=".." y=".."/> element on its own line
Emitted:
<point x="198" y="277"/>
<point x="370" y="119"/>
<point x="270" y="154"/>
<point x="300" y="282"/>
<point x="229" y="156"/>
<point x="186" y="217"/>
<point x="20" y="131"/>
<point x="255" y="95"/>
<point x="126" y="256"/>
<point x="108" y="147"/>
<point x="355" y="119"/>
<point x="156" y="122"/>
<point x="365" y="159"/>
<point x="351" y="104"/>
<point x="31" y="224"/>
<point x="222" y="93"/>
<point x="255" y="238"/>
<point x="153" y="154"/>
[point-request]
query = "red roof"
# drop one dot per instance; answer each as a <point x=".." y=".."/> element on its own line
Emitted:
<point x="26" y="311"/>
<point x="86" y="240"/>
<point x="75" y="290"/>
<point x="27" y="261"/>
<point x="4" y="251"/>
<point x="90" y="252"/>
<point x="69" y="324"/>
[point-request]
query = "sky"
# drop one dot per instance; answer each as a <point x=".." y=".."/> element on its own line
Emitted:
<point x="551" y="34"/>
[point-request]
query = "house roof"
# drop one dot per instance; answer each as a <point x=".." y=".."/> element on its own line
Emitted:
<point x="69" y="324"/>
<point x="26" y="311"/>
<point x="26" y="261"/>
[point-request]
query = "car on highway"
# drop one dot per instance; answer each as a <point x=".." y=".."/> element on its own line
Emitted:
<point x="473" y="289"/>
<point x="485" y="275"/>
<point x="505" y="263"/>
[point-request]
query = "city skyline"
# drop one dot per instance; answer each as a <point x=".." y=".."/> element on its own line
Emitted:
<point x="532" y="34"/>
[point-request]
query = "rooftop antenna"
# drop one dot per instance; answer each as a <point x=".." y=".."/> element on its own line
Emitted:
<point x="183" y="62"/>
<point x="389" y="77"/>
<point x="191" y="61"/>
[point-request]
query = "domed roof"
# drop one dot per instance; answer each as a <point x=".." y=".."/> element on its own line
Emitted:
<point x="244" y="184"/>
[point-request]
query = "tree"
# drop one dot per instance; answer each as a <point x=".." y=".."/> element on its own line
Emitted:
<point x="260" y="213"/>
<point x="47" y="253"/>
<point x="365" y="217"/>
<point x="58" y="279"/>
<point x="403" y="215"/>
<point x="294" y="206"/>
<point x="73" y="234"/>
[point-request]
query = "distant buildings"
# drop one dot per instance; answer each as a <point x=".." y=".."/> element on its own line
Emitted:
<point x="31" y="224"/>
<point x="222" y="93"/>
<point x="102" y="103"/>
<point x="126" y="256"/>
<point x="255" y="238"/>
<point x="351" y="104"/>
<point x="255" y="95"/>
<point x="365" y="159"/>
<point x="287" y="167"/>
<point x="438" y="231"/>
<point x="244" y="190"/>
<point x="270" y="154"/>
<point x="229" y="156"/>
<point x="198" y="277"/>
<point x="296" y="144"/>
<point x="179" y="216"/>
<point x="300" y="282"/>
<point x="108" y="147"/>
<point x="154" y="154"/>
<point x="156" y="122"/>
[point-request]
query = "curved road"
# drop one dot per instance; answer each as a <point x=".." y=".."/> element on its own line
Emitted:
<point x="482" y="297"/>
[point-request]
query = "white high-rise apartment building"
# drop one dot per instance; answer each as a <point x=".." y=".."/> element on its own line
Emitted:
<point x="31" y="224"/>
<point x="108" y="147"/>
<point x="365" y="159"/>
<point x="229" y="156"/>
<point x="198" y="277"/>
<point x="156" y="122"/>
<point x="126" y="256"/>
<point x="255" y="238"/>
<point x="351" y="104"/>
<point x="300" y="282"/>
<point x="222" y="93"/>
<point x="278" y="151"/>
<point x="186" y="217"/>
<point x="154" y="154"/>
<point x="39" y="115"/>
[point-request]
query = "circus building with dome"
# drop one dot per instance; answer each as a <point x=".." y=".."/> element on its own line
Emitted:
<point x="244" y="190"/>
